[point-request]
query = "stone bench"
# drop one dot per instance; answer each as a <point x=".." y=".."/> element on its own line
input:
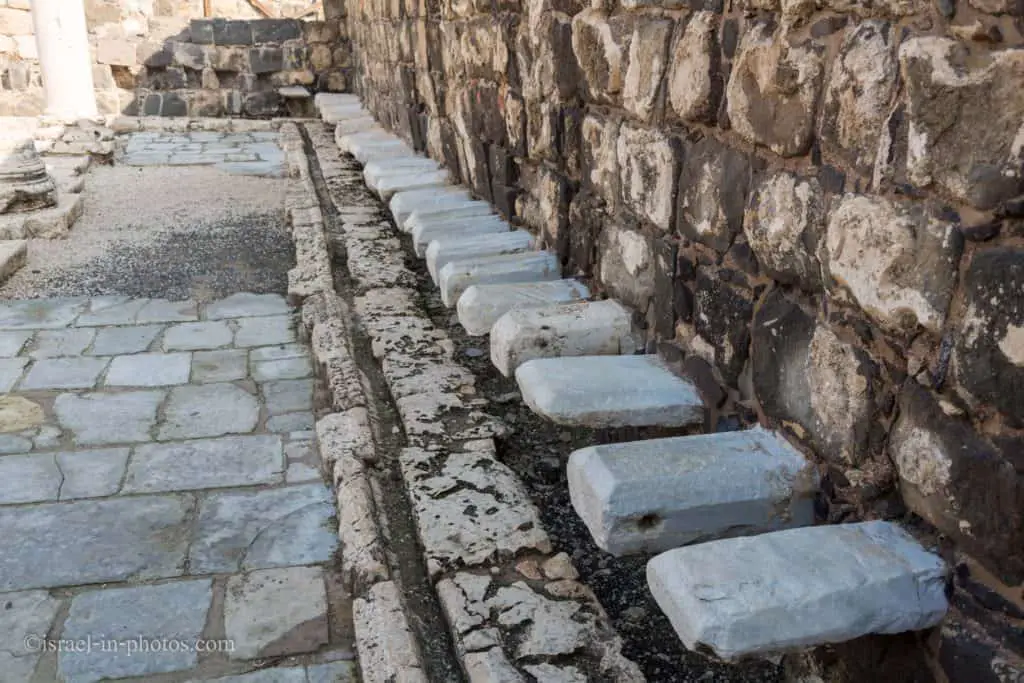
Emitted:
<point x="426" y="231"/>
<point x="457" y="276"/>
<point x="600" y="328"/>
<point x="443" y="250"/>
<point x="798" y="588"/>
<point x="609" y="391"/>
<point x="446" y="210"/>
<point x="388" y="185"/>
<point x="655" y="495"/>
<point x="402" y="204"/>
<point x="481" y="306"/>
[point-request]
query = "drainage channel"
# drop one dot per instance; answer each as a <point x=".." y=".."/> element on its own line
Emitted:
<point x="404" y="551"/>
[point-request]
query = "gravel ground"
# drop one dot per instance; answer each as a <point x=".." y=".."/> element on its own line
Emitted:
<point x="170" y="232"/>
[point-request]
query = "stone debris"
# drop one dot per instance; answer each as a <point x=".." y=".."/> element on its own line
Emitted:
<point x="609" y="391"/>
<point x="480" y="306"/>
<point x="655" y="495"/>
<point x="459" y="275"/>
<point x="443" y="250"/>
<point x="584" y="329"/>
<point x="768" y="594"/>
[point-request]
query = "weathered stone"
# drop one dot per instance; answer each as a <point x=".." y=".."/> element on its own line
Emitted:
<point x="205" y="463"/>
<point x="896" y="262"/>
<point x="11" y="343"/>
<point x="388" y="650"/>
<point x="169" y="612"/>
<point x="713" y="187"/>
<point x="647" y="165"/>
<point x="642" y="88"/>
<point x="446" y="210"/>
<point x="55" y="343"/>
<point x="627" y="266"/>
<point x="107" y="540"/>
<point x="859" y="94"/>
<point x="428" y="231"/>
<point x="977" y="164"/>
<point x="445" y="250"/>
<point x="25" y="616"/>
<point x="64" y="373"/>
<point x="28" y="479"/>
<point x="288" y="396"/>
<point x="600" y="155"/>
<point x="402" y="204"/>
<point x="24" y="183"/>
<point x="694" y="79"/>
<point x="602" y="47"/>
<point x="10" y="371"/>
<point x="225" y="365"/>
<point x="722" y="313"/>
<point x="100" y="418"/>
<point x="773" y="91"/>
<point x="659" y="494"/>
<point x="457" y="276"/>
<point x="273" y="612"/>
<point x="990" y="346"/>
<point x="18" y="413"/>
<point x="784" y="225"/>
<point x="481" y="306"/>
<point x="608" y="391"/>
<point x="208" y="410"/>
<point x="765" y="594"/>
<point x="149" y="370"/>
<point x="804" y="374"/>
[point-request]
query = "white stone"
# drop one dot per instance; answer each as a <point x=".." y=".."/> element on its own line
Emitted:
<point x="798" y="588"/>
<point x="459" y="275"/>
<point x="387" y="647"/>
<point x="404" y="203"/>
<point x="76" y="372"/>
<point x="481" y="306"/>
<point x="206" y="463"/>
<point x="12" y="257"/>
<point x="456" y="228"/>
<point x="149" y="370"/>
<point x="444" y="209"/>
<point x="445" y="249"/>
<point x="609" y="391"/>
<point x="377" y="170"/>
<point x="659" y="494"/>
<point x="354" y="125"/>
<point x="388" y="185"/>
<point x="601" y="328"/>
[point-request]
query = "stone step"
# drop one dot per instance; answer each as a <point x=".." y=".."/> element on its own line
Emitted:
<point x="457" y="276"/>
<point x="294" y="92"/>
<point x="13" y="254"/>
<point x="355" y="125"/>
<point x="388" y="185"/>
<point x="601" y="328"/>
<point x="609" y="391"/>
<point x="446" y="249"/>
<point x="655" y="495"/>
<point x="798" y="588"/>
<point x="378" y="169"/>
<point x="442" y="210"/>
<point x="481" y="306"/>
<point x="429" y="230"/>
<point x="403" y="204"/>
<point x="328" y="99"/>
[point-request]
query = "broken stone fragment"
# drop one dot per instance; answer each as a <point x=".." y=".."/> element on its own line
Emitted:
<point x="24" y="183"/>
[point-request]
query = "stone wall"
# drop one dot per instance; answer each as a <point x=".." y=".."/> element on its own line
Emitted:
<point x="161" y="57"/>
<point x="814" y="207"/>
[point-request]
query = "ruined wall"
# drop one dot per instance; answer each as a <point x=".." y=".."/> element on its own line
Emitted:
<point x="815" y="207"/>
<point x="160" y="57"/>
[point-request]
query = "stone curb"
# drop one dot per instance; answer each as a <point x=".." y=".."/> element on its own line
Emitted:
<point x="385" y="643"/>
<point x="515" y="610"/>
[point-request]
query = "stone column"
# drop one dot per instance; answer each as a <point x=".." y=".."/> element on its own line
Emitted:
<point x="63" y="42"/>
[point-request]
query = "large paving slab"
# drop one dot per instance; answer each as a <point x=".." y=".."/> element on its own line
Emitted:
<point x="659" y="494"/>
<point x="609" y="391"/>
<point x="480" y="306"/>
<point x="799" y="588"/>
<point x="457" y="276"/>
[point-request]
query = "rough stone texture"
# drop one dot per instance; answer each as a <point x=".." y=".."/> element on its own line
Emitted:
<point x="459" y="275"/>
<point x="784" y="224"/>
<point x="442" y="251"/>
<point x="481" y="306"/>
<point x="694" y="79"/>
<point x="717" y="594"/>
<point x="389" y="653"/>
<point x="647" y="168"/>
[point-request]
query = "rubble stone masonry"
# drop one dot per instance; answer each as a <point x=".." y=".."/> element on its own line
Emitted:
<point x="162" y="57"/>
<point x="816" y="209"/>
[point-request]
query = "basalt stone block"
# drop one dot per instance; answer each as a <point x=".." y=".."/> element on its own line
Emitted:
<point x="662" y="306"/>
<point x="275" y="30"/>
<point x="694" y="79"/>
<point x="977" y="164"/>
<point x="648" y="162"/>
<point x="773" y="91"/>
<point x="898" y="262"/>
<point x="990" y="344"/>
<point x="232" y="32"/>
<point x="804" y="374"/>
<point x="173" y="104"/>
<point x="263" y="60"/>
<point x="266" y="103"/>
<point x="627" y="266"/>
<point x="601" y="45"/>
<point x="857" y="99"/>
<point x="228" y="58"/>
<point x="961" y="483"/>
<point x="713" y="187"/>
<point x="190" y="56"/>
<point x="201" y="31"/>
<point x="722" y="317"/>
<point x="784" y="224"/>
<point x="545" y="59"/>
<point x="542" y="130"/>
<point x="586" y="219"/>
<point x="642" y="91"/>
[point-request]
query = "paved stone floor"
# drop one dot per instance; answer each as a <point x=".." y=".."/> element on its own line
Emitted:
<point x="239" y="153"/>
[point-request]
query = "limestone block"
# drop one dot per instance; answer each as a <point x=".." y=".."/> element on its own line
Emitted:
<point x="24" y="183"/>
<point x="608" y="391"/>
<point x="896" y="262"/>
<point x="784" y="224"/>
<point x="766" y="594"/>
<point x="441" y="210"/>
<point x="116" y="52"/>
<point x="385" y="642"/>
<point x="428" y="231"/>
<point x="627" y="265"/>
<point x="722" y="310"/>
<point x="357" y="124"/>
<point x="446" y="249"/>
<point x="481" y="306"/>
<point x="978" y="164"/>
<point x="376" y="171"/>
<point x="602" y="46"/>
<point x="647" y="61"/>
<point x="648" y="162"/>
<point x="459" y="275"/>
<point x="600" y="155"/>
<point x="694" y="82"/>
<point x="858" y="96"/>
<point x="582" y="329"/>
<point x="402" y="204"/>
<point x="659" y="494"/>
<point x="713" y="186"/>
<point x="773" y="91"/>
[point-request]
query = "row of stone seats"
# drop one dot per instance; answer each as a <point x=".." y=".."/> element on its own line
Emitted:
<point x="742" y="571"/>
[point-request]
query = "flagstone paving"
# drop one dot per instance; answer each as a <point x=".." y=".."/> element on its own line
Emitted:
<point x="160" y="495"/>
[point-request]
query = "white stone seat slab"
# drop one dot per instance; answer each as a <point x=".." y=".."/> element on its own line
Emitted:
<point x="481" y="306"/>
<point x="446" y="210"/>
<point x="404" y="203"/>
<point x="343" y="137"/>
<point x="378" y="169"/>
<point x="609" y="391"/>
<point x="390" y="184"/>
<point x="327" y="99"/>
<point x="457" y="276"/>
<point x="601" y="328"/>
<point x="366" y="152"/>
<point x="354" y="125"/>
<point x="428" y="231"/>
<point x="655" y="495"/>
<point x="446" y="249"/>
<point x="336" y="114"/>
<point x="799" y="588"/>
